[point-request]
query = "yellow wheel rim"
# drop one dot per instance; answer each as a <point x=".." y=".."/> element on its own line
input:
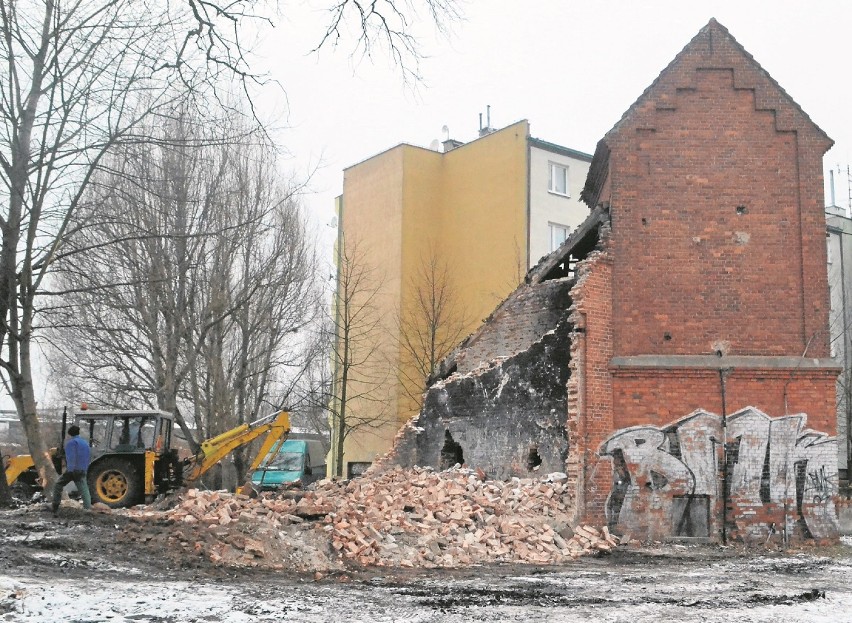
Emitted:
<point x="111" y="485"/>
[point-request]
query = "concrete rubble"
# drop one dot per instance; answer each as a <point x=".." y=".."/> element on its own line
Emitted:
<point x="400" y="518"/>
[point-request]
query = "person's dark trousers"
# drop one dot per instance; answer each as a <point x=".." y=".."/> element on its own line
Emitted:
<point x="79" y="479"/>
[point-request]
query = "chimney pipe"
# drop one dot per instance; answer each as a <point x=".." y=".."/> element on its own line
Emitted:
<point x="831" y="185"/>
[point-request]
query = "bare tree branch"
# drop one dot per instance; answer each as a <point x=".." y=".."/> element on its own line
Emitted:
<point x="430" y="327"/>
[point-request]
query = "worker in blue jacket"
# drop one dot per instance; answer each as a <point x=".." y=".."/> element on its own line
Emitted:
<point x="77" y="456"/>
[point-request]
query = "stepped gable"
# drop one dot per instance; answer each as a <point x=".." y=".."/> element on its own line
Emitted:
<point x="712" y="49"/>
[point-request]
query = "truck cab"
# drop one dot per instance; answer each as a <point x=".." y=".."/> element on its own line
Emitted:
<point x="290" y="463"/>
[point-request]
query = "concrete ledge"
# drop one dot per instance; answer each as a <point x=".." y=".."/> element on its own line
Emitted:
<point x="712" y="362"/>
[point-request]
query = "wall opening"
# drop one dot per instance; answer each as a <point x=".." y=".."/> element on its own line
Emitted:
<point x="451" y="453"/>
<point x="691" y="515"/>
<point x="533" y="459"/>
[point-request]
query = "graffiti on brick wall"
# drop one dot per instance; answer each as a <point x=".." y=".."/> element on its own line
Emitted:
<point x="669" y="481"/>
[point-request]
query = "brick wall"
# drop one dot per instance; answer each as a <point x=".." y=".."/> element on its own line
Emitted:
<point x="796" y="405"/>
<point x="659" y="396"/>
<point x="520" y="321"/>
<point x="590" y="409"/>
<point x="717" y="244"/>
<point x="709" y="229"/>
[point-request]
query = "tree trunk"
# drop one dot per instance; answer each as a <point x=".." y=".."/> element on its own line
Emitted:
<point x="5" y="493"/>
<point x="22" y="394"/>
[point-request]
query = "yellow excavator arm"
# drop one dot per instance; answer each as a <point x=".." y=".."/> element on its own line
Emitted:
<point x="17" y="465"/>
<point x="276" y="427"/>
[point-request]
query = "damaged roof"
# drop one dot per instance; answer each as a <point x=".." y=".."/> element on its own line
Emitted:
<point x="579" y="244"/>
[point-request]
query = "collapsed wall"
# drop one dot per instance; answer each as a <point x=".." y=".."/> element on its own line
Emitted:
<point x="500" y="401"/>
<point x="502" y="410"/>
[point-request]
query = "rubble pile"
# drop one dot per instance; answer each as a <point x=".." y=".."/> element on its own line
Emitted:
<point x="420" y="518"/>
<point x="399" y="518"/>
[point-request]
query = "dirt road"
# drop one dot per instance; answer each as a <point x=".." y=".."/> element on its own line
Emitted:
<point x="89" y="567"/>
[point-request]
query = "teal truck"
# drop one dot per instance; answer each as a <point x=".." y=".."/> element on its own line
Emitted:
<point x="290" y="464"/>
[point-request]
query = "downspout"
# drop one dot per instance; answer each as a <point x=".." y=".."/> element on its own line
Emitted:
<point x="582" y="429"/>
<point x="529" y="199"/>
<point x="335" y="373"/>
<point x="723" y="373"/>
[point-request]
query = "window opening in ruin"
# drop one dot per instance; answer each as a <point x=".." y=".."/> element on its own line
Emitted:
<point x="451" y="453"/>
<point x="578" y="251"/>
<point x="533" y="460"/>
<point x="674" y="443"/>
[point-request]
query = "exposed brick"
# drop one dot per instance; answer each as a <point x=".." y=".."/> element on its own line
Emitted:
<point x="717" y="241"/>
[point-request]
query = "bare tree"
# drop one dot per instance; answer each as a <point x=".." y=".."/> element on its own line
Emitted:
<point x="263" y="271"/>
<point x="355" y="336"/>
<point x="78" y="77"/>
<point x="189" y="271"/>
<point x="129" y="273"/>
<point x="312" y="396"/>
<point x="387" y="26"/>
<point x="430" y="327"/>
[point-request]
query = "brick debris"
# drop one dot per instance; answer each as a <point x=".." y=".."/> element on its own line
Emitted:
<point x="401" y="518"/>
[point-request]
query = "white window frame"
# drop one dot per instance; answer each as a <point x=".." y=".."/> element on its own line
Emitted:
<point x="554" y="228"/>
<point x="552" y="169"/>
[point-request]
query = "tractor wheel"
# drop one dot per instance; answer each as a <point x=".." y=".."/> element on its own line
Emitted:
<point x="114" y="482"/>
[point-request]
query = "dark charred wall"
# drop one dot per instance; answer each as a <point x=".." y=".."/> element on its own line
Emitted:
<point x="508" y="418"/>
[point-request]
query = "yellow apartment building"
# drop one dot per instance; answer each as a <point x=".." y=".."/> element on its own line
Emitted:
<point x="455" y="229"/>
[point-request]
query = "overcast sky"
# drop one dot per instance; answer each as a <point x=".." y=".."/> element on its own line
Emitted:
<point x="571" y="68"/>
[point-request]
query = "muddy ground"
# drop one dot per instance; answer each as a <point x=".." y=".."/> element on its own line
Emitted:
<point x="90" y="567"/>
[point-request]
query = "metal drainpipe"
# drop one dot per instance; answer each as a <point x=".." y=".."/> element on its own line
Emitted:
<point x="333" y="466"/>
<point x="723" y="372"/>
<point x="847" y="366"/>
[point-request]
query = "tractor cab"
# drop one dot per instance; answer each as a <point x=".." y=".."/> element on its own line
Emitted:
<point x="132" y="458"/>
<point x="125" y="432"/>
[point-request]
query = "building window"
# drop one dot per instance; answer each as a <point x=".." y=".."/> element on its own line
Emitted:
<point x="558" y="235"/>
<point x="558" y="182"/>
<point x="828" y="248"/>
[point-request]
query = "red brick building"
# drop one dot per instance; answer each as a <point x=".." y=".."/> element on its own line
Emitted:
<point x="702" y="318"/>
<point x="672" y="356"/>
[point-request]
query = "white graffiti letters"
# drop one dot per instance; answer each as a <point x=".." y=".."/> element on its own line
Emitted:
<point x="771" y="473"/>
